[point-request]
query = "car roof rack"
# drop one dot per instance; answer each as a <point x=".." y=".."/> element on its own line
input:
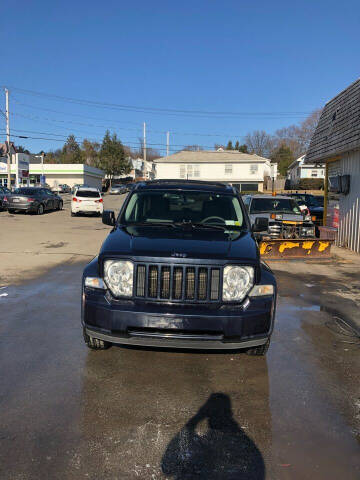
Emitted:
<point x="186" y="183"/>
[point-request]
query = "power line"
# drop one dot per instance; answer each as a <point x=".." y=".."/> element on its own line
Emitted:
<point x="173" y="132"/>
<point x="127" y="141"/>
<point x="161" y="111"/>
<point x="71" y="113"/>
<point x="155" y="146"/>
<point x="52" y="120"/>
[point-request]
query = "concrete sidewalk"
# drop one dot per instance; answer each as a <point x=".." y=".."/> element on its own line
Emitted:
<point x="333" y="284"/>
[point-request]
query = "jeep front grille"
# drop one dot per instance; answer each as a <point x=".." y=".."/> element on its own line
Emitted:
<point x="177" y="283"/>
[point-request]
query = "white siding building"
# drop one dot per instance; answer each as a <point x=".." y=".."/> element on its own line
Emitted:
<point x="68" y="173"/>
<point x="27" y="170"/>
<point x="336" y="142"/>
<point x="244" y="171"/>
<point x="298" y="170"/>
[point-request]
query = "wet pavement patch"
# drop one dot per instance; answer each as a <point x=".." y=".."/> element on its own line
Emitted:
<point x="126" y="413"/>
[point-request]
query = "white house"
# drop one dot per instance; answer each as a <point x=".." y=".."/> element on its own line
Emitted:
<point x="298" y="170"/>
<point x="336" y="142"/>
<point x="245" y="171"/>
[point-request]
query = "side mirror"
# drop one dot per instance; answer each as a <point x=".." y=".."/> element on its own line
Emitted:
<point x="108" y="217"/>
<point x="261" y="224"/>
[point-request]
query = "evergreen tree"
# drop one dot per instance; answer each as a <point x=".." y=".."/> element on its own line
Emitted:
<point x="283" y="156"/>
<point x="229" y="146"/>
<point x="112" y="157"/>
<point x="243" y="148"/>
<point x="71" y="152"/>
<point x="237" y="145"/>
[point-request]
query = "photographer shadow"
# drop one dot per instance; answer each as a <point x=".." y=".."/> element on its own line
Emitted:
<point x="223" y="451"/>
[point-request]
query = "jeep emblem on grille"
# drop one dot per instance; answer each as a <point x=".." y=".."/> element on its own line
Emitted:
<point x="179" y="255"/>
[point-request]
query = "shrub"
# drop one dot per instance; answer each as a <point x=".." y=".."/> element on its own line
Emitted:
<point x="311" y="184"/>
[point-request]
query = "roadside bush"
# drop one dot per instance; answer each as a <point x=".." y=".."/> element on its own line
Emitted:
<point x="311" y="184"/>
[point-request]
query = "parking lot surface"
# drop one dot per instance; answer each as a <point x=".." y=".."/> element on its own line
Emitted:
<point x="32" y="244"/>
<point x="70" y="413"/>
<point x="125" y="413"/>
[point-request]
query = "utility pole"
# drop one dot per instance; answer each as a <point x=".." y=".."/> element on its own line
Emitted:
<point x="167" y="143"/>
<point x="144" y="152"/>
<point x="8" y="139"/>
<point x="144" y="142"/>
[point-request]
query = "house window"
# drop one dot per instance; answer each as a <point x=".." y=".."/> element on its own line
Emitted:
<point x="182" y="171"/>
<point x="197" y="171"/>
<point x="254" y="169"/>
<point x="314" y="173"/>
<point x="189" y="171"/>
<point x="228" y="169"/>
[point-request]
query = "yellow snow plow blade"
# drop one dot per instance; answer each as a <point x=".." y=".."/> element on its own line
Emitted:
<point x="295" y="248"/>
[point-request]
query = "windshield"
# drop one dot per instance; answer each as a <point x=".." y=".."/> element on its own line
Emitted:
<point x="270" y="205"/>
<point x="87" y="194"/>
<point x="190" y="207"/>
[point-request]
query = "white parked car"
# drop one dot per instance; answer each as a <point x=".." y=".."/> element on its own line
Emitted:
<point x="87" y="200"/>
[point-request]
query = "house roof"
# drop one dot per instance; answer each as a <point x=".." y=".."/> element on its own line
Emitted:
<point x="211" y="156"/>
<point x="338" y="130"/>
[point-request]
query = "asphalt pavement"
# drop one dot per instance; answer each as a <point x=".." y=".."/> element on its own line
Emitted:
<point x="126" y="413"/>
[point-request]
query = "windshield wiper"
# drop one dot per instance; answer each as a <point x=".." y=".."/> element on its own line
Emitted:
<point x="151" y="224"/>
<point x="210" y="226"/>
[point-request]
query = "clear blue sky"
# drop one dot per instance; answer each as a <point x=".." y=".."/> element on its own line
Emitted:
<point x="228" y="55"/>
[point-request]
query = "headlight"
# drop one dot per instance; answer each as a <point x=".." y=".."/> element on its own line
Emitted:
<point x="118" y="276"/>
<point x="308" y="231"/>
<point x="237" y="282"/>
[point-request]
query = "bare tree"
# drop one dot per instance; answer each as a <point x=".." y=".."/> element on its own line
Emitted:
<point x="297" y="137"/>
<point x="259" y="142"/>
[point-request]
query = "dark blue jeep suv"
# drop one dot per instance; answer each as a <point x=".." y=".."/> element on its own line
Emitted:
<point x="180" y="268"/>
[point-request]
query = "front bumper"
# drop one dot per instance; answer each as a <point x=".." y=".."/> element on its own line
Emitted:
<point x="178" y="326"/>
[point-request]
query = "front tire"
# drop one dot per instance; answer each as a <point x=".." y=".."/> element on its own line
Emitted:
<point x="73" y="214"/>
<point x="11" y="211"/>
<point x="60" y="205"/>
<point x="259" y="350"/>
<point x="95" y="343"/>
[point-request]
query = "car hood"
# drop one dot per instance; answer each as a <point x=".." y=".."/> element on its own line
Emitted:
<point x="316" y="209"/>
<point x="180" y="243"/>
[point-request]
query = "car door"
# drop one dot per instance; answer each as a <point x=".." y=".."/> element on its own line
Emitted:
<point x="47" y="199"/>
<point x="52" y="200"/>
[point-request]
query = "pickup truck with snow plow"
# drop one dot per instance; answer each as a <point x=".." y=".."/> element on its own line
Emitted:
<point x="289" y="233"/>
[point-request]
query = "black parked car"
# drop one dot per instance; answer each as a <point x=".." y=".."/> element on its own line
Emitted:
<point x="180" y="268"/>
<point x="4" y="193"/>
<point x="315" y="204"/>
<point x="33" y="199"/>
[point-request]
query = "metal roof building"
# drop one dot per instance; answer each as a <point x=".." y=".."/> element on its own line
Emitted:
<point x="336" y="142"/>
